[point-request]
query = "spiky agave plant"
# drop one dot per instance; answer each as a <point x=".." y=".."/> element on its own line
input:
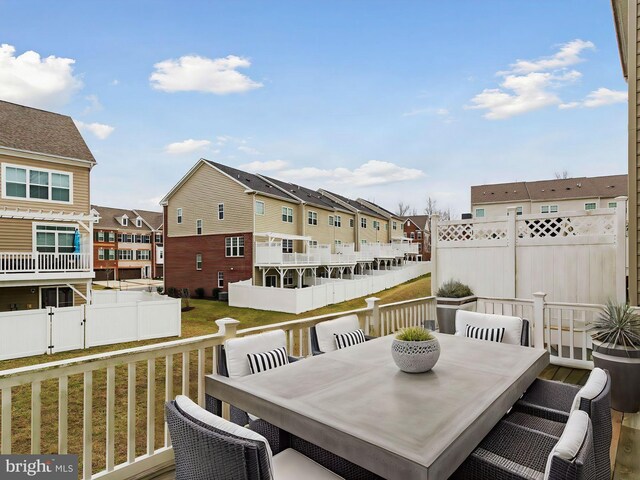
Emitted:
<point x="619" y="325"/>
<point x="414" y="334"/>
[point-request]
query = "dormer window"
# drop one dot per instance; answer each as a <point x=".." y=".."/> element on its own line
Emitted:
<point x="125" y="221"/>
<point x="139" y="222"/>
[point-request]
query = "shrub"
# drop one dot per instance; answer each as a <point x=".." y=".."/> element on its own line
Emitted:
<point x="185" y="294"/>
<point x="215" y="292"/>
<point x="454" y="289"/>
<point x="200" y="292"/>
<point x="414" y="334"/>
<point x="172" y="292"/>
<point x="160" y="290"/>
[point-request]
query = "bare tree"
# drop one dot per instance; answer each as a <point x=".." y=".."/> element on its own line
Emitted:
<point x="562" y="175"/>
<point x="402" y="208"/>
<point x="433" y="209"/>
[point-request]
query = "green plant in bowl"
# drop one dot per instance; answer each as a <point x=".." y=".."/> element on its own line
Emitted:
<point x="414" y="334"/>
<point x="454" y="289"/>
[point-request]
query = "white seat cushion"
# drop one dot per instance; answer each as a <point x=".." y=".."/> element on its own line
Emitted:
<point x="292" y="465"/>
<point x="571" y="439"/>
<point x="325" y="331"/>
<point x="512" y="325"/>
<point x="592" y="388"/>
<point x="196" y="411"/>
<point x="237" y="349"/>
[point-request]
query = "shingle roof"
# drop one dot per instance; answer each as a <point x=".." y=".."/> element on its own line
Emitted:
<point x="155" y="219"/>
<point x="108" y="220"/>
<point x="419" y="220"/>
<point x="39" y="131"/>
<point x="556" y="189"/>
<point x="384" y="210"/>
<point x="306" y="194"/>
<point x="355" y="204"/>
<point x="254" y="182"/>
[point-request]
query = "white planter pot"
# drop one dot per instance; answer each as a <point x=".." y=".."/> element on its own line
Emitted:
<point x="415" y="357"/>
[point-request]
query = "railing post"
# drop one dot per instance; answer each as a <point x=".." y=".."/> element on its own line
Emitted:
<point x="227" y="327"/>
<point x="621" y="249"/>
<point x="510" y="266"/>
<point x="373" y="304"/>
<point x="433" y="232"/>
<point x="538" y="319"/>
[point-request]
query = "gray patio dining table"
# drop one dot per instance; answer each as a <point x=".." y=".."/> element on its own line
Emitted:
<point x="355" y="402"/>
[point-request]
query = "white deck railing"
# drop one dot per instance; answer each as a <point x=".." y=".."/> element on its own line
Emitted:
<point x="37" y="262"/>
<point x="128" y="384"/>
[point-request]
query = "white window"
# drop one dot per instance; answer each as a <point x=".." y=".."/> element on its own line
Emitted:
<point x="160" y="254"/>
<point x="331" y="222"/>
<point x="198" y="227"/>
<point x="412" y="235"/>
<point x="338" y="221"/>
<point x="338" y="242"/>
<point x="419" y="235"/>
<point x="271" y="281"/>
<point x="101" y="254"/>
<point x="363" y="242"/>
<point x="351" y="222"/>
<point x="613" y="204"/>
<point x="518" y="210"/>
<point x="198" y="261"/>
<point x="287" y="246"/>
<point x="549" y="209"/>
<point x="313" y="243"/>
<point x="220" y="279"/>
<point x="55" y="239"/>
<point x="36" y="184"/>
<point x="288" y="279"/>
<point x="287" y="214"/>
<point x="363" y="222"/>
<point x="125" y="254"/>
<point x="234" y="246"/>
<point x="144" y="254"/>
<point x="112" y="254"/>
<point x="259" y="209"/>
<point x="479" y="212"/>
<point x="101" y="236"/>
<point x="312" y="218"/>
<point x="178" y="215"/>
<point x="590" y="206"/>
<point x="221" y="211"/>
<point x="395" y="225"/>
<point x="376" y="225"/>
<point x="112" y="237"/>
<point x="125" y="221"/>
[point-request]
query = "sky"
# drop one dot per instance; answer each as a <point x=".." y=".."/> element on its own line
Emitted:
<point x="384" y="100"/>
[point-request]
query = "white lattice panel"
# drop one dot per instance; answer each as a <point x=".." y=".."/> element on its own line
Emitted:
<point x="585" y="225"/>
<point x="463" y="232"/>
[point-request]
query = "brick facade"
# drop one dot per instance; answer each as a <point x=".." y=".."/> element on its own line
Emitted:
<point x="180" y="261"/>
<point x="420" y="237"/>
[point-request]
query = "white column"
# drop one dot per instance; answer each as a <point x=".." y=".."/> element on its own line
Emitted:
<point x="621" y="249"/>
<point x="538" y="319"/>
<point x="434" y="253"/>
<point x="510" y="266"/>
<point x="373" y="304"/>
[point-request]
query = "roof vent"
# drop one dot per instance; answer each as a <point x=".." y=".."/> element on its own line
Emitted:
<point x="579" y="185"/>
<point x="553" y="189"/>
<point x="568" y="188"/>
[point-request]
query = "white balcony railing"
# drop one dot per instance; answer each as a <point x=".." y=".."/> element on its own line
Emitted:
<point x="37" y="262"/>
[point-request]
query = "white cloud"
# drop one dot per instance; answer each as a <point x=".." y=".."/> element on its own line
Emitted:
<point x="32" y="80"/>
<point x="569" y="54"/>
<point x="100" y="130"/>
<point x="532" y="84"/>
<point x="248" y="150"/>
<point x="426" y="111"/>
<point x="373" y="172"/>
<point x="267" y="166"/>
<point x="94" y="104"/>
<point x="201" y="74"/>
<point x="598" y="98"/>
<point x="187" y="146"/>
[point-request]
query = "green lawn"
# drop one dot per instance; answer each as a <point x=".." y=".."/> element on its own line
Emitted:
<point x="199" y="321"/>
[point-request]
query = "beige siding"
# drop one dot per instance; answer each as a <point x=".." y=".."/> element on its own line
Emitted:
<point x="199" y="197"/>
<point x="271" y="221"/>
<point x="571" y="205"/>
<point x="21" y="296"/>
<point x="371" y="235"/>
<point x="15" y="235"/>
<point x="80" y="193"/>
<point x="323" y="233"/>
<point x="346" y="234"/>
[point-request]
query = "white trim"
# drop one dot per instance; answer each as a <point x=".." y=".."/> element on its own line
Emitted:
<point x="590" y="203"/>
<point x="199" y="260"/>
<point x="220" y="211"/>
<point x="28" y="169"/>
<point x="220" y="279"/>
<point x="264" y="207"/>
<point x="179" y="216"/>
<point x="45" y="157"/>
<point x="51" y="216"/>
<point x="310" y="216"/>
<point x="34" y="225"/>
<point x="199" y="224"/>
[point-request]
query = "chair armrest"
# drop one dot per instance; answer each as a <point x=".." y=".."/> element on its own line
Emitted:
<point x="294" y="359"/>
<point x="368" y="337"/>
<point x="316" y="352"/>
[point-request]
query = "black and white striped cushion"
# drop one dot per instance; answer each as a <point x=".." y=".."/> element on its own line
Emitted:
<point x="348" y="339"/>
<point x="491" y="334"/>
<point x="261" y="362"/>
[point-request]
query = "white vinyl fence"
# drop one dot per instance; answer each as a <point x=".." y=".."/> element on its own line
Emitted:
<point x="575" y="257"/>
<point x="327" y="291"/>
<point x="52" y="330"/>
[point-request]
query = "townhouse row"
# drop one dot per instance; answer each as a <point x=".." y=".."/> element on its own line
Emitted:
<point x="225" y="225"/>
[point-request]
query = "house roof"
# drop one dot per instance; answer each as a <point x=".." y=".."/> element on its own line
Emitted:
<point x="379" y="208"/>
<point x="155" y="219"/>
<point x="109" y="215"/>
<point x="251" y="181"/>
<point x="621" y="22"/>
<point x="312" y="197"/>
<point x="356" y="205"/>
<point x="38" y="131"/>
<point x="419" y="220"/>
<point x="557" y="189"/>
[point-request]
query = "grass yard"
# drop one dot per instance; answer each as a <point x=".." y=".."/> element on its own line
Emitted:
<point x="199" y="321"/>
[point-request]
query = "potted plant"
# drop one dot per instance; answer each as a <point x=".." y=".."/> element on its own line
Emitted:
<point x="616" y="348"/>
<point x="451" y="297"/>
<point x="415" y="350"/>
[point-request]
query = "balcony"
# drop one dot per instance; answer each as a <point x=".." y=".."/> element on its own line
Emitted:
<point x="15" y="266"/>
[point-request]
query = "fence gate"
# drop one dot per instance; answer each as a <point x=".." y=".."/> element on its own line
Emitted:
<point x="66" y="328"/>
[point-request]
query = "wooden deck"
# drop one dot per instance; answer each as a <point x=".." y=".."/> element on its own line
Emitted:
<point x="625" y="445"/>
